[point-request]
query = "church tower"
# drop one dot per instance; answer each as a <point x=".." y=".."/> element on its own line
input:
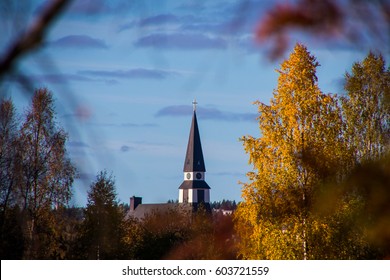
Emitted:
<point x="194" y="189"/>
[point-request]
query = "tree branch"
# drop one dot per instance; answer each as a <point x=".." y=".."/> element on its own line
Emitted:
<point x="33" y="37"/>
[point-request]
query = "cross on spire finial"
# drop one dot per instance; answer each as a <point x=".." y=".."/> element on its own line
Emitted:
<point x="194" y="103"/>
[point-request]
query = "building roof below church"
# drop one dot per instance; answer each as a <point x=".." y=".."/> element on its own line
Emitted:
<point x="143" y="210"/>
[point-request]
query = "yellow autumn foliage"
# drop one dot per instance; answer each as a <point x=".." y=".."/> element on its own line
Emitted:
<point x="300" y="147"/>
<point x="319" y="188"/>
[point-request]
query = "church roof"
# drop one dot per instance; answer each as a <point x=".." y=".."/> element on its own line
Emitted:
<point x="194" y="156"/>
<point x="196" y="184"/>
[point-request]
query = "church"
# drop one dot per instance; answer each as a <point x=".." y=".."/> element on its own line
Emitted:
<point x="193" y="191"/>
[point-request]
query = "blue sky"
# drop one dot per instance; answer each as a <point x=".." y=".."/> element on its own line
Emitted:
<point x="124" y="75"/>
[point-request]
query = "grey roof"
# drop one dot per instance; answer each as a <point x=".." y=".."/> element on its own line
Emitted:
<point x="194" y="157"/>
<point x="197" y="184"/>
<point x="142" y="210"/>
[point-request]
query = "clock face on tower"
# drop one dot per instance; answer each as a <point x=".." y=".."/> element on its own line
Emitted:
<point x="188" y="176"/>
<point x="198" y="176"/>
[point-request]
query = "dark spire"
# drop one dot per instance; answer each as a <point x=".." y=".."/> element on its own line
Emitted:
<point x="194" y="156"/>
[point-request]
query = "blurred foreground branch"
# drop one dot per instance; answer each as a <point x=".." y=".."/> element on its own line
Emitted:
<point x="361" y="23"/>
<point x="33" y="35"/>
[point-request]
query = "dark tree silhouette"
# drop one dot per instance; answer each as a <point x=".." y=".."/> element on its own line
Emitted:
<point x="101" y="231"/>
<point x="46" y="173"/>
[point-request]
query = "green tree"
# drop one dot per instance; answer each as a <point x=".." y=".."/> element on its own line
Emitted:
<point x="45" y="173"/>
<point x="102" y="229"/>
<point x="366" y="110"/>
<point x="359" y="205"/>
<point x="300" y="147"/>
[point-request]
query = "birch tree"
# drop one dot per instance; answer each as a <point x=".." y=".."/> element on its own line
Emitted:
<point x="366" y="109"/>
<point x="8" y="138"/>
<point x="300" y="147"/>
<point x="46" y="171"/>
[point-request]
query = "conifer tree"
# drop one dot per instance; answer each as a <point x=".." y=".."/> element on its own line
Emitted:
<point x="102" y="231"/>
